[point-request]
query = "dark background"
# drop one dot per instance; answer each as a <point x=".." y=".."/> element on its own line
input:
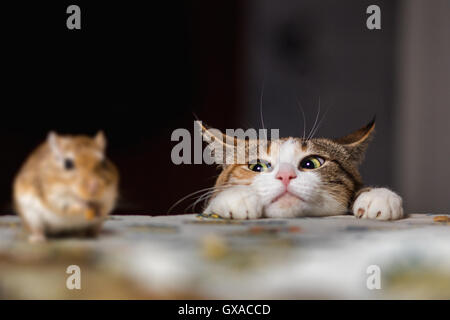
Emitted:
<point x="136" y="71"/>
<point x="140" y="71"/>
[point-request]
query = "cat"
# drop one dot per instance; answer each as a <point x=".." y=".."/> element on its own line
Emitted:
<point x="297" y="177"/>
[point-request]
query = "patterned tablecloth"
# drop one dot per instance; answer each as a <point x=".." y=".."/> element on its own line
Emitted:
<point x="192" y="256"/>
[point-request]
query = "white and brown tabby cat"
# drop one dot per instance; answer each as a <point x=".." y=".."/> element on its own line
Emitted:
<point x="299" y="177"/>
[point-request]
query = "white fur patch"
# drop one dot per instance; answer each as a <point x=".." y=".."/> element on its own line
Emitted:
<point x="288" y="152"/>
<point x="378" y="203"/>
<point x="238" y="202"/>
<point x="40" y="218"/>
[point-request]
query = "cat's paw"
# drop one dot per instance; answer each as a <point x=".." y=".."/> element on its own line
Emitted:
<point x="378" y="203"/>
<point x="236" y="203"/>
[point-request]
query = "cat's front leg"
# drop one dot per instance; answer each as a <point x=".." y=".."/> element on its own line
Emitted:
<point x="238" y="202"/>
<point x="378" y="203"/>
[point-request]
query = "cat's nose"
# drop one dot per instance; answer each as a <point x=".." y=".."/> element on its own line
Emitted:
<point x="285" y="173"/>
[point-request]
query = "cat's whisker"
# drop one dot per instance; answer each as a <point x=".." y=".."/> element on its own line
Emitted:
<point x="261" y="110"/>
<point x="199" y="198"/>
<point x="203" y="197"/>
<point x="303" y="116"/>
<point x="187" y="196"/>
<point x="206" y="195"/>
<point x="320" y="122"/>
<point x="315" y="122"/>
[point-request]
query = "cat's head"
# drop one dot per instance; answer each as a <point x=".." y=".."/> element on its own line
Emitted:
<point x="296" y="176"/>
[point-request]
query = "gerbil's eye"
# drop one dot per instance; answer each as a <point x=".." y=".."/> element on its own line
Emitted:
<point x="312" y="162"/>
<point x="260" y="166"/>
<point x="69" y="164"/>
<point x="104" y="164"/>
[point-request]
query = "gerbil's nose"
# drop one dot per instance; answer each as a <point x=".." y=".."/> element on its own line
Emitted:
<point x="285" y="173"/>
<point x="93" y="186"/>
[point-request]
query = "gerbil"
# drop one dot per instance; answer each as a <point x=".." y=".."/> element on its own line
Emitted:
<point x="67" y="185"/>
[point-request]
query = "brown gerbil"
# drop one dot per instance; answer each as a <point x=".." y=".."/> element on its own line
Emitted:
<point x="67" y="185"/>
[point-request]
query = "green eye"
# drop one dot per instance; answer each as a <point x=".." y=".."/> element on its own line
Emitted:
<point x="260" y="166"/>
<point x="312" y="162"/>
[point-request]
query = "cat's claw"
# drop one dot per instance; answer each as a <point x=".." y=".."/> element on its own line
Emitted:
<point x="378" y="203"/>
<point x="235" y="203"/>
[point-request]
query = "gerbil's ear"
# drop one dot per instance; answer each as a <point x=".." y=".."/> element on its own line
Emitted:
<point x="52" y="140"/>
<point x="357" y="142"/>
<point x="100" y="140"/>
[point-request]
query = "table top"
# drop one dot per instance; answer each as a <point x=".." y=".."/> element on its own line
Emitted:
<point x="195" y="256"/>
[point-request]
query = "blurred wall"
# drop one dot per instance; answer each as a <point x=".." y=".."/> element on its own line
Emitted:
<point x="310" y="50"/>
<point x="422" y="170"/>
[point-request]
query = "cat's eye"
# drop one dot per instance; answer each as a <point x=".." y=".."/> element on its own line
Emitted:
<point x="69" y="164"/>
<point x="311" y="162"/>
<point x="260" y="166"/>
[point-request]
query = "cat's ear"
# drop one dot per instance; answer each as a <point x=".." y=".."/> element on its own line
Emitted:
<point x="212" y="134"/>
<point x="357" y="142"/>
<point x="225" y="149"/>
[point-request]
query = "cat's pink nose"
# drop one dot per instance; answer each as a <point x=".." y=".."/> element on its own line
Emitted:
<point x="285" y="173"/>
